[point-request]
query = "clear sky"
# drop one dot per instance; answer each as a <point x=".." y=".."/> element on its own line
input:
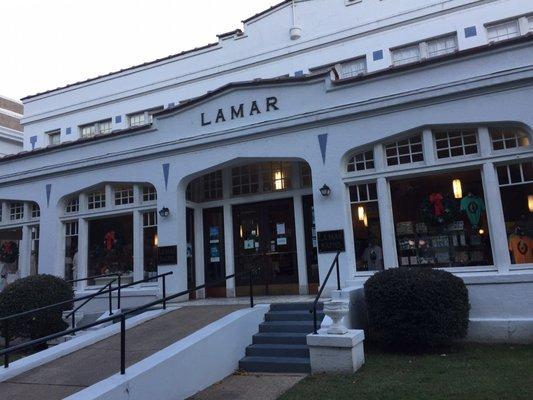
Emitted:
<point x="50" y="43"/>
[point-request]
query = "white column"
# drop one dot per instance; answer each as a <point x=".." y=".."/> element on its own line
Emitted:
<point x="496" y="221"/>
<point x="379" y="157"/>
<point x="138" y="246"/>
<point x="229" y="250"/>
<point x="429" y="148"/>
<point x="51" y="259"/>
<point x="485" y="142"/>
<point x="172" y="231"/>
<point x="109" y="197"/>
<point x="299" y="230"/>
<point x="386" y="218"/>
<point x="83" y="251"/>
<point x="199" y="250"/>
<point x="25" y="252"/>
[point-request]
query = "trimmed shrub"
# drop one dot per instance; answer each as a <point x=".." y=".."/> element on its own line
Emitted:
<point x="31" y="293"/>
<point x="416" y="309"/>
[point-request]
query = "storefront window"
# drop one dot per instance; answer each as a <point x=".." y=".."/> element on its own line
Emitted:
<point x="111" y="248"/>
<point x="71" y="250"/>
<point x="34" y="256"/>
<point x="150" y="242"/>
<point x="366" y="227"/>
<point x="9" y="256"/>
<point x="276" y="176"/>
<point x="516" y="187"/>
<point x="440" y="221"/>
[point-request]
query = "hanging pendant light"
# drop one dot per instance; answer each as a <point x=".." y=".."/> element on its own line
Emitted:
<point x="457" y="189"/>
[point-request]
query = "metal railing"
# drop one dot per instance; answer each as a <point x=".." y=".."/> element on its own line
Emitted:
<point x="334" y="264"/>
<point x="122" y="316"/>
<point x="5" y="321"/>
<point x="119" y="286"/>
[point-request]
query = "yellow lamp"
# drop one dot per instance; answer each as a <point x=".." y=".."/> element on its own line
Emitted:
<point x="530" y="202"/>
<point x="365" y="221"/>
<point x="361" y="213"/>
<point x="156" y="240"/>
<point x="457" y="189"/>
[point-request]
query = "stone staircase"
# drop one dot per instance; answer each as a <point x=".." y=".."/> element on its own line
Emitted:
<point x="280" y="345"/>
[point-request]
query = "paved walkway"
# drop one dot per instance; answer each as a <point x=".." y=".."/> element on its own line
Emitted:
<point x="250" y="386"/>
<point x="83" y="368"/>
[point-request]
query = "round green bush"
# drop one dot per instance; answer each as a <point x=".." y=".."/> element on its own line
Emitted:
<point x="416" y="309"/>
<point x="31" y="293"/>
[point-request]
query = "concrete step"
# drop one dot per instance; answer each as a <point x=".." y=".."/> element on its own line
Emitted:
<point x="295" y="306"/>
<point x="275" y="364"/>
<point x="287" y="326"/>
<point x="278" y="350"/>
<point x="296" y="315"/>
<point x="280" y="338"/>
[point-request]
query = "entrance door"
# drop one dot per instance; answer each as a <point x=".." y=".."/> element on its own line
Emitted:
<point x="215" y="264"/>
<point x="311" y="246"/>
<point x="264" y="236"/>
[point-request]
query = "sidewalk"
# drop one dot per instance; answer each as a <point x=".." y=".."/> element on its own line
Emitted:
<point x="83" y="368"/>
<point x="250" y="386"/>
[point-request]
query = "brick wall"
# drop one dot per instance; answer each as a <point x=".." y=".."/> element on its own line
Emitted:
<point x="10" y="105"/>
<point x="10" y="122"/>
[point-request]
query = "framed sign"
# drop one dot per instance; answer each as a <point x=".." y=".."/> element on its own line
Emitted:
<point x="331" y="241"/>
<point x="167" y="255"/>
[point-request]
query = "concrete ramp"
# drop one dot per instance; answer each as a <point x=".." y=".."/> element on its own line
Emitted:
<point x="84" y="368"/>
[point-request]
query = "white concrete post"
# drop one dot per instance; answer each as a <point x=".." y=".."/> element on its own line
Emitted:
<point x="25" y="252"/>
<point x="50" y="259"/>
<point x="229" y="249"/>
<point x="496" y="221"/>
<point x="83" y="251"/>
<point x="429" y="148"/>
<point x="109" y="197"/>
<point x="386" y="219"/>
<point x="300" y="245"/>
<point x="172" y="231"/>
<point x="138" y="246"/>
<point x="199" y="250"/>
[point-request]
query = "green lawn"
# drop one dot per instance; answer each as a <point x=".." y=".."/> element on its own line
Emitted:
<point x="470" y="372"/>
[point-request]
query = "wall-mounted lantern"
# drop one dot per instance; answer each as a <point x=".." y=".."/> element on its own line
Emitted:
<point x="325" y="190"/>
<point x="164" y="212"/>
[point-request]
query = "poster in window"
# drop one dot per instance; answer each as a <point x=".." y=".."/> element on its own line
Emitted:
<point x="214" y="232"/>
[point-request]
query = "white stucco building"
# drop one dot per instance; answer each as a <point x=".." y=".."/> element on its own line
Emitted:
<point x="415" y="114"/>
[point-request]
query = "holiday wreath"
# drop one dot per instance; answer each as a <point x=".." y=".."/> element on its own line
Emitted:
<point x="9" y="252"/>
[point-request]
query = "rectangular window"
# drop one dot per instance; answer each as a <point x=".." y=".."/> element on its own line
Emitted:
<point x="353" y="68"/>
<point x="455" y="143"/>
<point x="503" y="31"/>
<point x="441" y="46"/>
<point x="366" y="227"/>
<point x="406" y="55"/>
<point x="71" y="250"/>
<point x="405" y="151"/>
<point x="16" y="211"/>
<point x="149" y="193"/>
<point x="96" y="200"/>
<point x="150" y="243"/>
<point x="530" y="23"/>
<point x="88" y="131"/>
<point x="245" y="179"/>
<point x="276" y="176"/>
<point x="306" y="178"/>
<point x="54" y="137"/>
<point x="508" y="138"/>
<point x="516" y="188"/>
<point x="361" y="161"/>
<point x="104" y="127"/>
<point x="212" y="183"/>
<point x="440" y="221"/>
<point x="73" y="205"/>
<point x="96" y="128"/>
<point x="35" y="211"/>
<point x="124" y="195"/>
<point x="111" y="248"/>
<point x="137" y="119"/>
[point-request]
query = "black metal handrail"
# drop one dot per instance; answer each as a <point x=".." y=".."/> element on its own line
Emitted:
<point x="5" y="320"/>
<point x="335" y="263"/>
<point x="72" y="314"/>
<point x="122" y="316"/>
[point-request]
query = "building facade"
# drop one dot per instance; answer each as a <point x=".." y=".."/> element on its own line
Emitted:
<point x="407" y="136"/>
<point x="10" y="129"/>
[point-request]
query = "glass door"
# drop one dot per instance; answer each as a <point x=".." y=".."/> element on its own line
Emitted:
<point x="264" y="237"/>
<point x="215" y="265"/>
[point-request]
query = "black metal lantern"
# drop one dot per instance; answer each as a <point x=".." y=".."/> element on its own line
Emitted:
<point x="325" y="190"/>
<point x="164" y="212"/>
